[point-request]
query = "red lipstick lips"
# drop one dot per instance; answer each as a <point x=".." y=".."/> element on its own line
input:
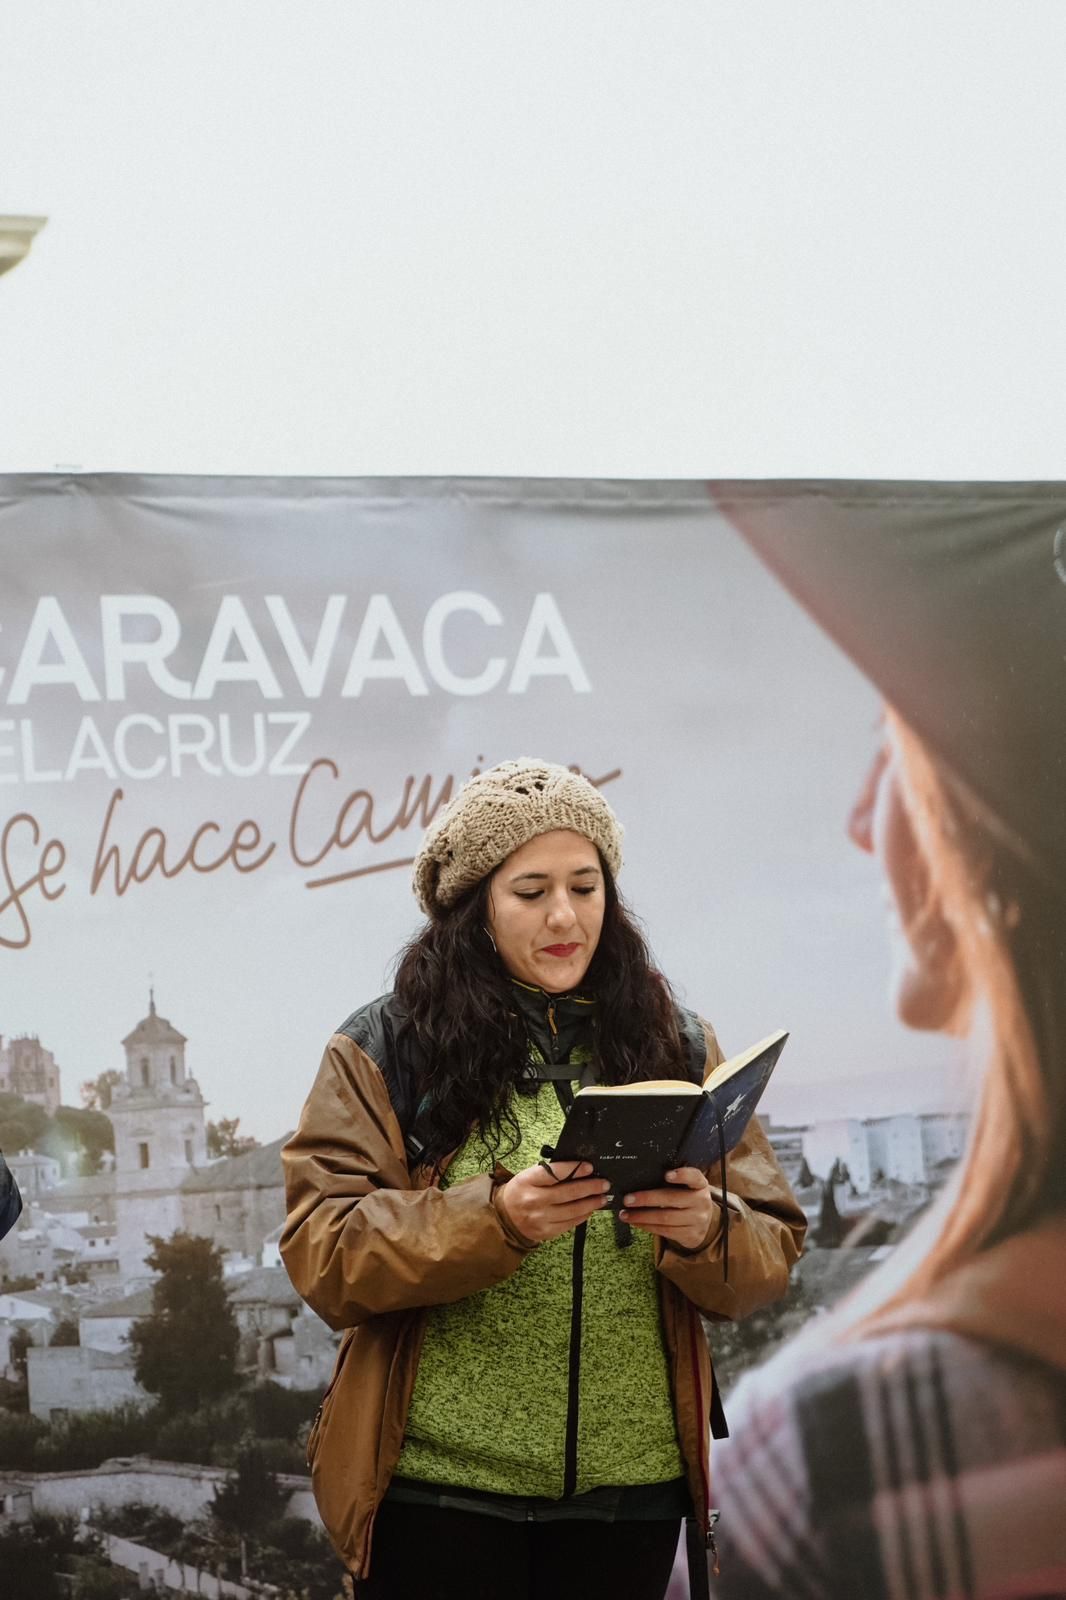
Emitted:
<point x="560" y="949"/>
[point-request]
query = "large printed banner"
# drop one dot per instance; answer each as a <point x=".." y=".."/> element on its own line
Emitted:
<point x="229" y="708"/>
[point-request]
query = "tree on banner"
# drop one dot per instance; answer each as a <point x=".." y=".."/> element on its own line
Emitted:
<point x="186" y="1349"/>
<point x="251" y="1497"/>
<point x="223" y="1138"/>
<point x="74" y="1136"/>
<point x="96" y="1092"/>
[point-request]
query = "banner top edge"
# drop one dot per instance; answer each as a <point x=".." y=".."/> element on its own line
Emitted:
<point x="666" y="493"/>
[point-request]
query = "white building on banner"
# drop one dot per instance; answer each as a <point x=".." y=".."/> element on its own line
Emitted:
<point x="39" y="1246"/>
<point x="843" y="1140"/>
<point x="944" y="1137"/>
<point x="72" y="1378"/>
<point x="902" y="1149"/>
<point x="160" y="1135"/>
<point x="33" y="1172"/>
<point x="895" y="1148"/>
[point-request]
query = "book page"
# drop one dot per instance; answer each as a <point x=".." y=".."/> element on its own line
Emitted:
<point x="726" y="1069"/>
<point x="656" y="1086"/>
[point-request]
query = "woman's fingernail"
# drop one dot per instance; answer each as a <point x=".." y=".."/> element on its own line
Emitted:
<point x="630" y="1199"/>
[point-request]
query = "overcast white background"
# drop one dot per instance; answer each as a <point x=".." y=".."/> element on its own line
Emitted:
<point x="574" y="237"/>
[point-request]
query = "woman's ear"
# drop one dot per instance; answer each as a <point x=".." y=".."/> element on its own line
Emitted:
<point x="933" y="991"/>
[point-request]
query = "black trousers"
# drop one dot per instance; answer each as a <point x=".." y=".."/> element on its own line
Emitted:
<point x="428" y="1553"/>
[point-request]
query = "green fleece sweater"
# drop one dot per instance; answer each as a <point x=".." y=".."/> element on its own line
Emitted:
<point x="493" y="1388"/>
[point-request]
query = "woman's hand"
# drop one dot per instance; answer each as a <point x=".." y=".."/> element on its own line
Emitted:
<point x="540" y="1206"/>
<point x="684" y="1214"/>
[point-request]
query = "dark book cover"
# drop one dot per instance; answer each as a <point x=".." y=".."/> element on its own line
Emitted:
<point x="633" y="1133"/>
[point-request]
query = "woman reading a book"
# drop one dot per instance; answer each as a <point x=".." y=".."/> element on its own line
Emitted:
<point x="917" y="1448"/>
<point x="521" y="1397"/>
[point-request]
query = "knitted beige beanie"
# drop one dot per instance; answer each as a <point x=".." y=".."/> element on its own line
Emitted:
<point x="497" y="812"/>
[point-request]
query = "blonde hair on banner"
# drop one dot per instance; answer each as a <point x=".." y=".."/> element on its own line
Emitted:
<point x="1010" y="929"/>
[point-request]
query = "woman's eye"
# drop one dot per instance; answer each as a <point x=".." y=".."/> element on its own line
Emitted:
<point x="535" y="894"/>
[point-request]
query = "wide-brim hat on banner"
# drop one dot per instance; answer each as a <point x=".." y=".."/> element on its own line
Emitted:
<point x="951" y="597"/>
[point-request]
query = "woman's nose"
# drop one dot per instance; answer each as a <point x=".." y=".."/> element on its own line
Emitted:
<point x="561" y="912"/>
<point x="861" y="818"/>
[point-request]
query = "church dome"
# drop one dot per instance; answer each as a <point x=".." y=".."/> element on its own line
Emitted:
<point x="154" y="1029"/>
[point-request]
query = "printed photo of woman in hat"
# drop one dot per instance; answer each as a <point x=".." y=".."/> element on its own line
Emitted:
<point x="911" y="1445"/>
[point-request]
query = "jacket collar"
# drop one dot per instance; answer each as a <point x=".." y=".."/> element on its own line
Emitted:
<point x="555" y="1022"/>
<point x="1013" y="1295"/>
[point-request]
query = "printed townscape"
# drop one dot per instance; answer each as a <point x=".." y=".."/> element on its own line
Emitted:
<point x="158" y="1374"/>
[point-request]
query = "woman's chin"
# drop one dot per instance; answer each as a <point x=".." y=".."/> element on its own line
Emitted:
<point x="925" y="1001"/>
<point x="561" y="976"/>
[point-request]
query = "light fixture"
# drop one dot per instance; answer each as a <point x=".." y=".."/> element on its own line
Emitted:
<point x="16" y="236"/>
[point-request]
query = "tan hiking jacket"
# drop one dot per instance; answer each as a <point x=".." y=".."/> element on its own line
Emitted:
<point x="369" y="1245"/>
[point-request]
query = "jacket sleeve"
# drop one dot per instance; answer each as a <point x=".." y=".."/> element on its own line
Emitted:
<point x="360" y="1239"/>
<point x="10" y="1199"/>
<point x="766" y="1230"/>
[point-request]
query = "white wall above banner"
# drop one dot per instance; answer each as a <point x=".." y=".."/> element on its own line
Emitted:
<point x="649" y="240"/>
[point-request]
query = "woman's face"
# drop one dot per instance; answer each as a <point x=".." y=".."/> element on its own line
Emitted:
<point x="926" y="972"/>
<point x="545" y="912"/>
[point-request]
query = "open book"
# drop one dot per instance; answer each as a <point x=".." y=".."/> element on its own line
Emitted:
<point x="633" y="1133"/>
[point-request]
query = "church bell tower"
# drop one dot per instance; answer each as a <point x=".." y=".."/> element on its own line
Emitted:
<point x="158" y="1117"/>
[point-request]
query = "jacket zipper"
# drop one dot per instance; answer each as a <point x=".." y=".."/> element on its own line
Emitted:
<point x="577" y="1284"/>
<point x="341" y="1357"/>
